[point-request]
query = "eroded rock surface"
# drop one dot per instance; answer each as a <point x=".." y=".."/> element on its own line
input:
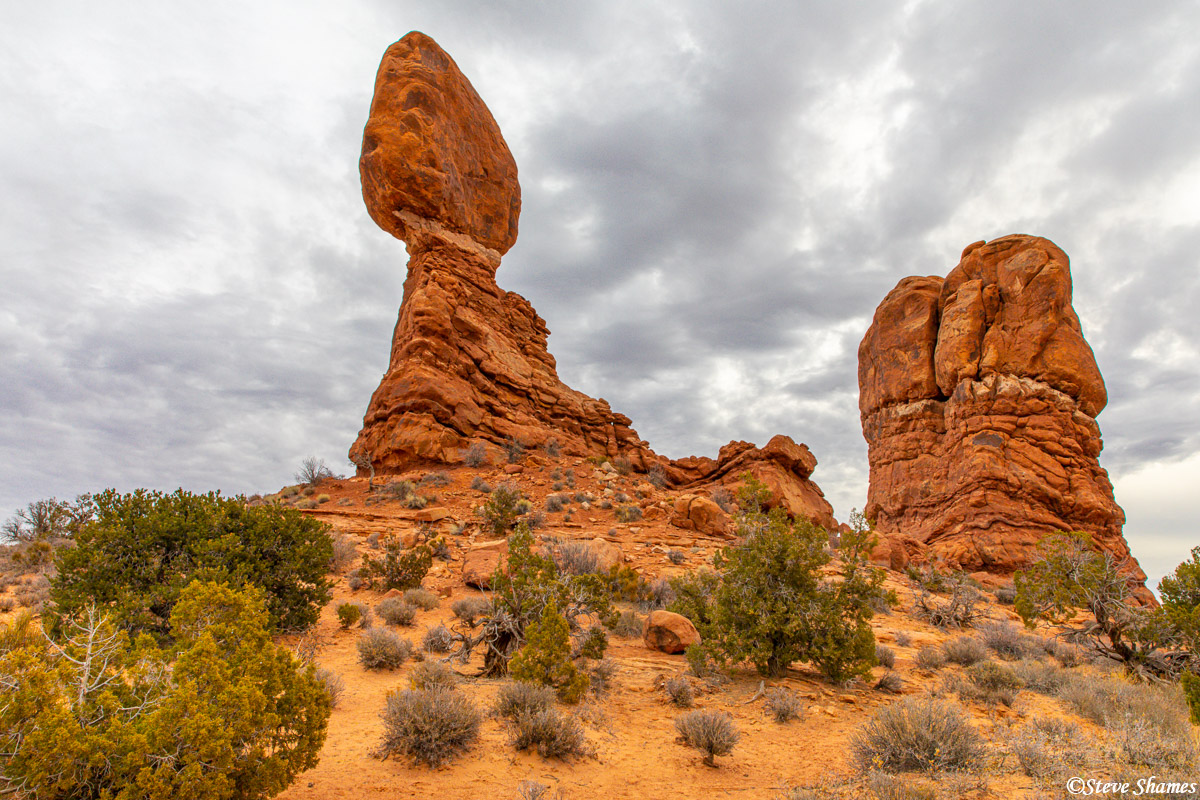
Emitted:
<point x="469" y="362"/>
<point x="978" y="396"/>
<point x="433" y="153"/>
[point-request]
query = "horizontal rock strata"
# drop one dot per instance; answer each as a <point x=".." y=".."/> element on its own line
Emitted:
<point x="978" y="396"/>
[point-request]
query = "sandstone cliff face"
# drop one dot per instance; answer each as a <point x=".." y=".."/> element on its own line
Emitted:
<point x="469" y="361"/>
<point x="978" y="396"/>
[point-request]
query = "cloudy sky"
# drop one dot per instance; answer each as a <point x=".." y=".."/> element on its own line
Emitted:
<point x="716" y="197"/>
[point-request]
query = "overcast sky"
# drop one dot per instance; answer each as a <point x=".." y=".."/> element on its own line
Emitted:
<point x="716" y="197"/>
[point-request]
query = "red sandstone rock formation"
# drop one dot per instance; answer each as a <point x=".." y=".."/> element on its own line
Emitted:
<point x="469" y="362"/>
<point x="978" y="397"/>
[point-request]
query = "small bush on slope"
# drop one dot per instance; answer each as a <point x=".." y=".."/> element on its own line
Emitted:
<point x="917" y="734"/>
<point x="429" y="725"/>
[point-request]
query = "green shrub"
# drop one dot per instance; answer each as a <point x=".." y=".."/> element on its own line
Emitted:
<point x="1070" y="575"/>
<point x="545" y="657"/>
<point x="379" y="648"/>
<point x="138" y="553"/>
<point x="348" y="614"/>
<point x="694" y="597"/>
<point x="531" y="585"/>
<point x="711" y="732"/>
<point x="1191" y="691"/>
<point x="224" y="713"/>
<point x="917" y="734"/>
<point x="501" y="510"/>
<point x="772" y="606"/>
<point x="20" y="632"/>
<point x="429" y="725"/>
<point x="593" y="644"/>
<point x="398" y="567"/>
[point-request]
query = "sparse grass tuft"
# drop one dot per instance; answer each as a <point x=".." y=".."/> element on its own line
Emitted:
<point x="553" y="733"/>
<point x="575" y="558"/>
<point x="396" y="611"/>
<point x="931" y="657"/>
<point x="519" y="698"/>
<point x="334" y="685"/>
<point x="890" y="682"/>
<point x="783" y="704"/>
<point x="711" y="732"/>
<point x="917" y="734"/>
<point x="474" y="456"/>
<point x="679" y="690"/>
<point x="1005" y="640"/>
<point x="629" y="625"/>
<point x="429" y="725"/>
<point x="437" y="639"/>
<point x="885" y="655"/>
<point x="422" y="598"/>
<point x="431" y="674"/>
<point x="379" y="648"/>
<point x="965" y="650"/>
<point x="469" y="609"/>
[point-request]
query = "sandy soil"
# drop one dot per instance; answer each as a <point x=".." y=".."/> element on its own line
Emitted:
<point x="637" y="754"/>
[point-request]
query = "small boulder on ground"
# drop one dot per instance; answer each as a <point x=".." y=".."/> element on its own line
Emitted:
<point x="669" y="632"/>
<point x="700" y="514"/>
<point x="482" y="561"/>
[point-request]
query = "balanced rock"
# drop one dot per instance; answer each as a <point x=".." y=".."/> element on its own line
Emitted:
<point x="432" y="154"/>
<point x="978" y="396"/>
<point x="469" y="364"/>
<point x="669" y="632"/>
